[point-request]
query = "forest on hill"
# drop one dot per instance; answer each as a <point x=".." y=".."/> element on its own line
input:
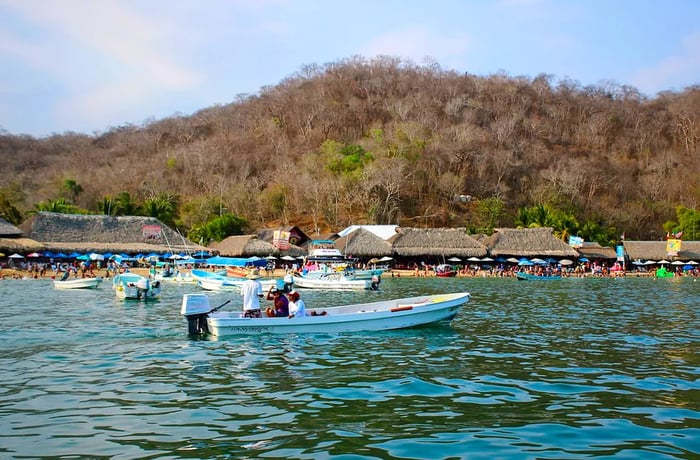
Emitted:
<point x="385" y="141"/>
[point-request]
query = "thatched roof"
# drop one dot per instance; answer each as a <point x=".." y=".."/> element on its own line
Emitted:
<point x="656" y="250"/>
<point x="21" y="245"/>
<point x="251" y="245"/>
<point x="527" y="242"/>
<point x="413" y="242"/>
<point x="100" y="233"/>
<point x="363" y="243"/>
<point x="7" y="230"/>
<point x="596" y="251"/>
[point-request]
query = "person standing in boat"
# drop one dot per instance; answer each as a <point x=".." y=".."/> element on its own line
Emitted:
<point x="280" y="307"/>
<point x="252" y="292"/>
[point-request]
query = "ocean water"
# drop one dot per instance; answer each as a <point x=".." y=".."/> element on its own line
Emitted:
<point x="569" y="369"/>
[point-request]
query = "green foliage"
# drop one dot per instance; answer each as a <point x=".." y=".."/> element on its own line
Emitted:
<point x="106" y="206"/>
<point x="544" y="215"/>
<point x="344" y="159"/>
<point x="10" y="197"/>
<point x="217" y="229"/>
<point x="273" y="200"/>
<point x="126" y="205"/>
<point x="488" y="212"/>
<point x="61" y="206"/>
<point x="163" y="207"/>
<point x="688" y="223"/>
<point x="72" y="190"/>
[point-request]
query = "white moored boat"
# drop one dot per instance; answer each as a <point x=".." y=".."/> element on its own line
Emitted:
<point x="373" y="316"/>
<point x="335" y="281"/>
<point x="78" y="283"/>
<point x="134" y="286"/>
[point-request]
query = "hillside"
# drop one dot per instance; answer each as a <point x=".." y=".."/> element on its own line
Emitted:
<point x="381" y="141"/>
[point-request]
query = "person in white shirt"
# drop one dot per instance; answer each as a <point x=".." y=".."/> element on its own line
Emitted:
<point x="252" y="292"/>
<point x="297" y="307"/>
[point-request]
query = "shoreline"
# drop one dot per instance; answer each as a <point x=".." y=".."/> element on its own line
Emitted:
<point x="13" y="273"/>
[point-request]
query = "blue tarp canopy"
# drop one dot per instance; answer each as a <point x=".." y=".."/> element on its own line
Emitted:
<point x="237" y="261"/>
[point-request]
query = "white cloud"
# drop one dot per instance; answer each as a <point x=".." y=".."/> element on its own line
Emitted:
<point x="102" y="50"/>
<point x="419" y="43"/>
<point x="667" y="73"/>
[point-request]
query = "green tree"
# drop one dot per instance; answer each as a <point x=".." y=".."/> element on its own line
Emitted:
<point x="72" y="190"/>
<point x="61" y="206"/>
<point x="106" y="206"/>
<point x="488" y="212"/>
<point x="10" y="197"/>
<point x="163" y="207"/>
<point x="217" y="229"/>
<point x="125" y="205"/>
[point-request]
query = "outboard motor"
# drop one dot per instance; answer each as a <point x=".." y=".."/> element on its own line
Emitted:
<point x="143" y="287"/>
<point x="374" y="285"/>
<point x="196" y="308"/>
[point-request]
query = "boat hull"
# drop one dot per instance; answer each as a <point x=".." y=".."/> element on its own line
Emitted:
<point x="78" y="283"/>
<point x="374" y="316"/>
<point x="136" y="287"/>
<point x="331" y="281"/>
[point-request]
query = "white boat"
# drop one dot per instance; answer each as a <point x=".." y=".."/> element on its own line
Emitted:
<point x="78" y="283"/>
<point x="334" y="281"/>
<point x="373" y="316"/>
<point x="218" y="281"/>
<point x="134" y="286"/>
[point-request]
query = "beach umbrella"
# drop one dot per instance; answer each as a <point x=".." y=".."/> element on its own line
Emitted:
<point x="687" y="267"/>
<point x="60" y="255"/>
<point x="487" y="259"/>
<point x="34" y="254"/>
<point x="583" y="259"/>
<point x="637" y="262"/>
<point x="692" y="262"/>
<point x="201" y="254"/>
<point x="566" y="262"/>
<point x="83" y="257"/>
<point x="96" y="256"/>
<point x="663" y="261"/>
<point x="287" y="258"/>
<point x="456" y="259"/>
<point x="271" y="257"/>
<point x="16" y="256"/>
<point x="512" y="260"/>
<point x="677" y="262"/>
<point x="526" y="262"/>
<point x="386" y="259"/>
<point x="2" y="254"/>
<point x="538" y="261"/>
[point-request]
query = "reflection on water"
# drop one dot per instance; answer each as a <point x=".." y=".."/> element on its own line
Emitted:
<point x="567" y="369"/>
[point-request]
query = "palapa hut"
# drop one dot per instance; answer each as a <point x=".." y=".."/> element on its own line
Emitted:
<point x="656" y="250"/>
<point x="527" y="242"/>
<point x="12" y="240"/>
<point x="251" y="245"/>
<point x="101" y="233"/>
<point x="434" y="244"/>
<point x="363" y="244"/>
<point x="594" y="251"/>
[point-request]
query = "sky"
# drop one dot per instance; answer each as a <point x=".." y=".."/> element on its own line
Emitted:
<point x="87" y="66"/>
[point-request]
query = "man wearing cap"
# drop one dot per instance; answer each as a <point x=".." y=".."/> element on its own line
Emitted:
<point x="252" y="292"/>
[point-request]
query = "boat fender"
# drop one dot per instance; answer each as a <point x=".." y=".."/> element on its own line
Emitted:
<point x="402" y="308"/>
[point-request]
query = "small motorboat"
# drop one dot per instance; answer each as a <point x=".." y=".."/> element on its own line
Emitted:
<point x="134" y="286"/>
<point x="373" y="316"/>
<point x="336" y="281"/>
<point x="524" y="276"/>
<point x="78" y="283"/>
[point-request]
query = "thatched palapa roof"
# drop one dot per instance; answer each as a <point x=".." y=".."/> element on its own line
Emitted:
<point x="251" y="245"/>
<point x="527" y="242"/>
<point x="7" y="230"/>
<point x="363" y="243"/>
<point x="413" y="242"/>
<point x="101" y="233"/>
<point x="596" y="251"/>
<point x="656" y="250"/>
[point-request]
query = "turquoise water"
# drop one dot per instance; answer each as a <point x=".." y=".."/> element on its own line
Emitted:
<point x="577" y="368"/>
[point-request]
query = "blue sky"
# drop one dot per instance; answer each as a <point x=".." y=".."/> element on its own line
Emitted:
<point x="89" y="65"/>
